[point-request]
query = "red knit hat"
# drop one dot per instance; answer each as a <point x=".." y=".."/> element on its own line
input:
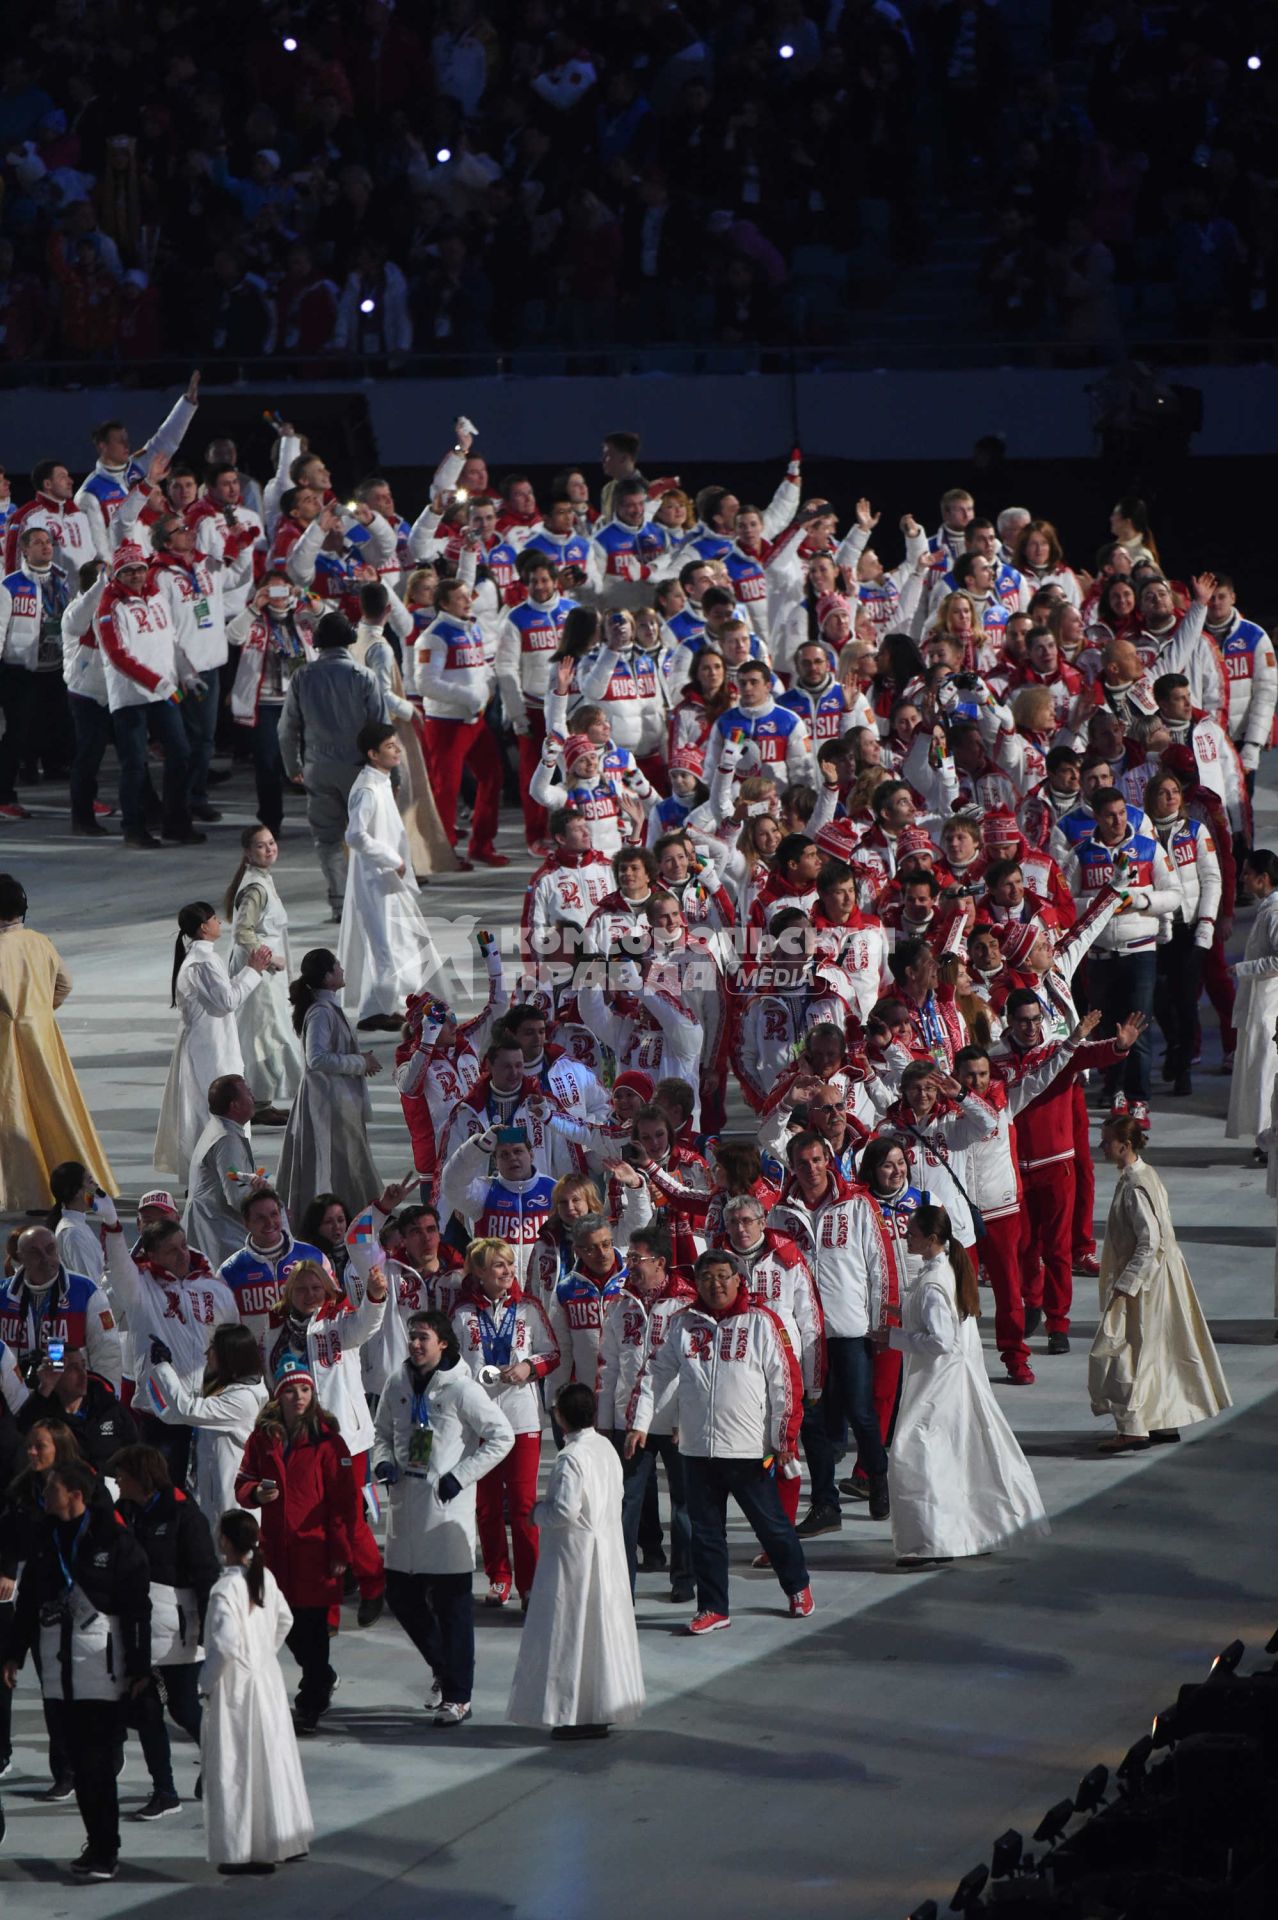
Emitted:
<point x="1180" y="760"/>
<point x="831" y="603"/>
<point x="127" y="554"/>
<point x="688" y="760"/>
<point x="913" y="840"/>
<point x="575" y="745"/>
<point x="638" y="1082"/>
<point x="999" y="827"/>
<point x="1017" y="940"/>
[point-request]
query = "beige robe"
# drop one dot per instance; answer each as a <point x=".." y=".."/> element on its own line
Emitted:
<point x="43" y="1118"/>
<point x="1152" y="1365"/>
<point x="427" y="841"/>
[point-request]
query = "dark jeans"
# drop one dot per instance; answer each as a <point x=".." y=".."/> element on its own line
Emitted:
<point x="17" y="697"/>
<point x="92" y="725"/>
<point x="307" y="1641"/>
<point x="199" y="717"/>
<point x="640" y="1480"/>
<point x="1179" y="977"/>
<point x="268" y="768"/>
<point x="93" y="1738"/>
<point x="146" y="1716"/>
<point x="1119" y="984"/>
<point x="47" y="747"/>
<point x="133" y="726"/>
<point x="848" y="1396"/>
<point x="437" y="1612"/>
<point x="709" y="1482"/>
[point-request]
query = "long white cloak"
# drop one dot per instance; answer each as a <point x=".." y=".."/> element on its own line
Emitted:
<point x="325" y="1146"/>
<point x="1254" y="1014"/>
<point x="578" y="1659"/>
<point x="211" y="1219"/>
<point x="1153" y="1363"/>
<point x="255" y="1804"/>
<point x="385" y="947"/>
<point x="959" y="1482"/>
<point x="272" y="1057"/>
<point x="427" y="841"/>
<point x="207" y="1046"/>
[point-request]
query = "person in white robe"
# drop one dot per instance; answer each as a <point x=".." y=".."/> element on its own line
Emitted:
<point x="1257" y="1005"/>
<point x="256" y="1810"/>
<point x="1153" y="1367"/>
<point x="385" y="946"/>
<point x="578" y="1670"/>
<point x="959" y="1483"/>
<point x="272" y="1058"/>
<point x="381" y="607"/>
<point x="221" y="1406"/>
<point x="208" y="1045"/>
<point x="1267" y="1143"/>
<point x="325" y="1147"/>
<point x="222" y="1173"/>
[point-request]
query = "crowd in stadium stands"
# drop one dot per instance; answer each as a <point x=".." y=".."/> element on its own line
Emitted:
<point x="376" y="181"/>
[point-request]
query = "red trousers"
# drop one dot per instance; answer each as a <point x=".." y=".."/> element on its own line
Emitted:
<point x="451" y="745"/>
<point x="366" y="1558"/>
<point x="788" y="1495"/>
<point x="1047" y="1226"/>
<point x="1000" y="1256"/>
<point x="510" y="1488"/>
<point x="1219" y="988"/>
<point x="530" y="745"/>
<point x="1083" y="1238"/>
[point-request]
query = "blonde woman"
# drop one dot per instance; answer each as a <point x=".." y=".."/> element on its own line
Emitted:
<point x="505" y="1340"/>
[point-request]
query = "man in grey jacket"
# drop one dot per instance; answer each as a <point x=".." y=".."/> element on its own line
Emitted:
<point x="326" y="705"/>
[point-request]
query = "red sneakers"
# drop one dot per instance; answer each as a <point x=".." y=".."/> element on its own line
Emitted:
<point x="707" y="1622"/>
<point x="802" y="1604"/>
<point x="498" y="1593"/>
<point x="1020" y="1373"/>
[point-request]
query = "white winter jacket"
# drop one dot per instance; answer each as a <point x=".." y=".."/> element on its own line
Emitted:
<point x="738" y="1394"/>
<point x="469" y="1436"/>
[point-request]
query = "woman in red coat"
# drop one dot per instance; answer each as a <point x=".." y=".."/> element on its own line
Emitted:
<point x="297" y="1470"/>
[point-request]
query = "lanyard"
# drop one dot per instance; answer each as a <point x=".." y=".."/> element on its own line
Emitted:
<point x="497" y="1341"/>
<point x="421" y="1408"/>
<point x="933" y="1030"/>
<point x="68" y="1572"/>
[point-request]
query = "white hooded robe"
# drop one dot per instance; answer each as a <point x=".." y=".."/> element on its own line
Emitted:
<point x="385" y="947"/>
<point x="255" y="1803"/>
<point x="579" y="1652"/>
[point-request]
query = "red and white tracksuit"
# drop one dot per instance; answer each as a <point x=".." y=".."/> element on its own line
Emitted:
<point x="510" y="1489"/>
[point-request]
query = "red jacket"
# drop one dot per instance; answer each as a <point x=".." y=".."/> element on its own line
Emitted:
<point x="1044" y="1129"/>
<point x="311" y="1527"/>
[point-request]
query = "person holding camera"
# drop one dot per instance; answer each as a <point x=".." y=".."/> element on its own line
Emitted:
<point x="64" y="1389"/>
<point x="43" y="1295"/>
<point x="437" y="1434"/>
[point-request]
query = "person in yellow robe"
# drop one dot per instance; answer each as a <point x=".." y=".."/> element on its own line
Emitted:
<point x="1153" y="1367"/>
<point x="43" y="1118"/>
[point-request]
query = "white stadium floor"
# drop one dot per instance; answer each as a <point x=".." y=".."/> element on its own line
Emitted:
<point x="854" y="1762"/>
